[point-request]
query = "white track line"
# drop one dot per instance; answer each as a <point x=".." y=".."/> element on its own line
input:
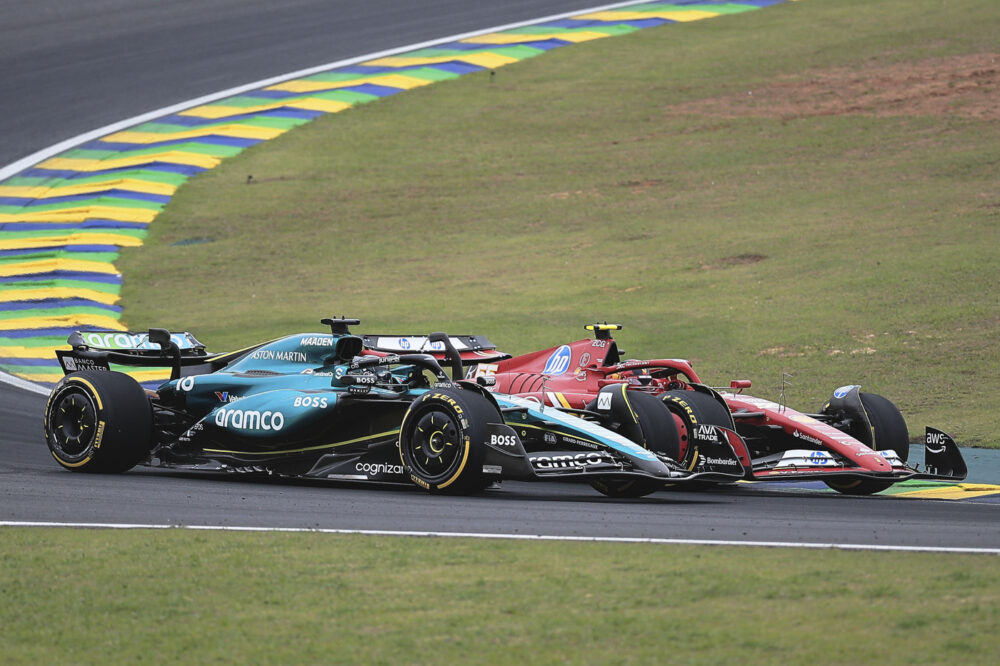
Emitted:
<point x="518" y="537"/>
<point x="27" y="162"/>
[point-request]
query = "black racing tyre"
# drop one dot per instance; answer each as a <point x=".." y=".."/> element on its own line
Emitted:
<point x="694" y="408"/>
<point x="659" y="434"/>
<point x="888" y="431"/>
<point x="442" y="440"/>
<point x="98" y="421"/>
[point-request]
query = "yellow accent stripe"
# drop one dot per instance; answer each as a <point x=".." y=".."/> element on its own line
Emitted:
<point x="93" y="391"/>
<point x="562" y="400"/>
<point x="57" y="292"/>
<point x="489" y="60"/>
<point x="681" y="16"/>
<point x="81" y="213"/>
<point x="624" y="388"/>
<point x="30" y="352"/>
<point x="308" y="448"/>
<point x="235" y="131"/>
<point x="388" y="80"/>
<point x="509" y="38"/>
<point x="64" y="321"/>
<point x="694" y="459"/>
<point x="122" y="240"/>
<point x="309" y="104"/>
<point x="170" y="156"/>
<point x="130" y="184"/>
<point x="957" y="492"/>
<point x="48" y="265"/>
<point x="69" y="464"/>
<point x="458" y="472"/>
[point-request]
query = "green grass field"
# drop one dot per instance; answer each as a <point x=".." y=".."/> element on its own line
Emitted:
<point x="179" y="596"/>
<point x="809" y="189"/>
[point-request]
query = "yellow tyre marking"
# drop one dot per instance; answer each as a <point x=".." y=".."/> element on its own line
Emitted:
<point x="458" y="472"/>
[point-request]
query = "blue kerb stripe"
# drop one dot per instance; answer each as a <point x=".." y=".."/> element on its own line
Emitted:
<point x="55" y="303"/>
<point x="73" y="198"/>
<point x="166" y="167"/>
<point x="62" y="248"/>
<point x="32" y="362"/>
<point x="58" y="226"/>
<point x="209" y="139"/>
<point x="82" y="276"/>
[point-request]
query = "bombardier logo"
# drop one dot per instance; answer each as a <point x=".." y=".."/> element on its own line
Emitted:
<point x="249" y="419"/>
<point x="727" y="462"/>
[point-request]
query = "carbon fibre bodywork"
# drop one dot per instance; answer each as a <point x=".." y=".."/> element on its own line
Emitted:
<point x="857" y="443"/>
<point x="321" y="405"/>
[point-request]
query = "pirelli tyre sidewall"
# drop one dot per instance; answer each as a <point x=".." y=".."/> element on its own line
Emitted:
<point x="442" y="441"/>
<point x="98" y="421"/>
<point x="691" y="408"/>
<point x="888" y="431"/>
<point x="658" y="433"/>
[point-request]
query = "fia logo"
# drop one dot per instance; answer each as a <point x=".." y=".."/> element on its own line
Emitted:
<point x="558" y="363"/>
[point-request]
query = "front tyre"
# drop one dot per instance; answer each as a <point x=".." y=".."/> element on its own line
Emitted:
<point x="442" y="441"/>
<point x="98" y="421"/>
<point x="887" y="431"/>
<point x="658" y="434"/>
<point x="692" y="408"/>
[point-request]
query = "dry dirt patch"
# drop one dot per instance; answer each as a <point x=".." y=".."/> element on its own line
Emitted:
<point x="964" y="85"/>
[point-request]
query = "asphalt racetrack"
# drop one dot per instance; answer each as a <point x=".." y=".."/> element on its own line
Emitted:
<point x="67" y="68"/>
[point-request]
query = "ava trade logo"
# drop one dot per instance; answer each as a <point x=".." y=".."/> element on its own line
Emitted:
<point x="558" y="363"/>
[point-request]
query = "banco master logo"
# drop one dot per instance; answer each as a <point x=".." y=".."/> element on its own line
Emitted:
<point x="558" y="363"/>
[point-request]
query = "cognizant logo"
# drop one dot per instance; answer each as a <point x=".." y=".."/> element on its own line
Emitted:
<point x="374" y="469"/>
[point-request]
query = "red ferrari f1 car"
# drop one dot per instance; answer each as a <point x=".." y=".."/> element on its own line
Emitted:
<point x="857" y="443"/>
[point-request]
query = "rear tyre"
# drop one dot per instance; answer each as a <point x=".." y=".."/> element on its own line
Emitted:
<point x="441" y="441"/>
<point x="888" y="431"/>
<point x="659" y="434"/>
<point x="98" y="421"/>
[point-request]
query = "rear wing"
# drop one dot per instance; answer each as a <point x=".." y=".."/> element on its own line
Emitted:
<point x="156" y="348"/>
<point x="132" y="342"/>
<point x="471" y="348"/>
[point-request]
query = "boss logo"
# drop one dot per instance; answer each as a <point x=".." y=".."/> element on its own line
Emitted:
<point x="310" y="401"/>
<point x="503" y="440"/>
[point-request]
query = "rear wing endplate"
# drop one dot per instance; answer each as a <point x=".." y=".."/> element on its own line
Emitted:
<point x="471" y="348"/>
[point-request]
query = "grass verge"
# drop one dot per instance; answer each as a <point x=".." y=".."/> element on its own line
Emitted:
<point x="78" y="596"/>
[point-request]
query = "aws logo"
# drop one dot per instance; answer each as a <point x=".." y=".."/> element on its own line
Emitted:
<point x="558" y="363"/>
